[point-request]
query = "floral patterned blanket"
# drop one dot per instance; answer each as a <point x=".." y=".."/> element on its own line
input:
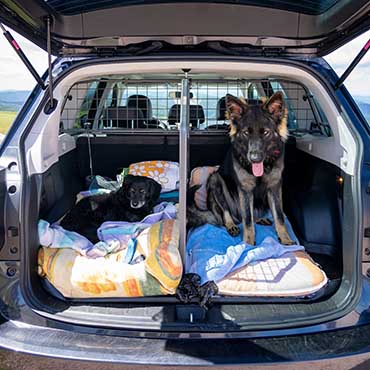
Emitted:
<point x="164" y="172"/>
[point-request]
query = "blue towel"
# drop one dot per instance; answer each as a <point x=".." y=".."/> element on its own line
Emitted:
<point x="213" y="253"/>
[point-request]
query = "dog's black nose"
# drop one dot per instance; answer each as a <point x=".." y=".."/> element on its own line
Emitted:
<point x="255" y="157"/>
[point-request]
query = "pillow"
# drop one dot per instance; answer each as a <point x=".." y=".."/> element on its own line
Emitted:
<point x="199" y="176"/>
<point x="164" y="172"/>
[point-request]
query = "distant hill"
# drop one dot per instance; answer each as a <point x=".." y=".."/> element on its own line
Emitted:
<point x="12" y="100"/>
<point x="363" y="99"/>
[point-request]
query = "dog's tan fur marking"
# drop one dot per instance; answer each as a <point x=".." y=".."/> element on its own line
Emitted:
<point x="264" y="99"/>
<point x="228" y="219"/>
<point x="248" y="230"/>
<point x="280" y="227"/>
<point x="275" y="105"/>
<point x="282" y="128"/>
<point x="283" y="234"/>
<point x="233" y="130"/>
<point x="235" y="108"/>
<point x="249" y="234"/>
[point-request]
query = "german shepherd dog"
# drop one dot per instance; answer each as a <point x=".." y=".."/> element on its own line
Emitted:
<point x="250" y="179"/>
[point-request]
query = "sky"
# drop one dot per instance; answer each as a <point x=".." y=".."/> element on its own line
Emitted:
<point x="15" y="76"/>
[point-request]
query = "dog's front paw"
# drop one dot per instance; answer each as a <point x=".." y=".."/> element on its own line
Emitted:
<point x="233" y="230"/>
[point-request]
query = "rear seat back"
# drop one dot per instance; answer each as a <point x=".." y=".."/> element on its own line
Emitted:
<point x="142" y="103"/>
<point x="196" y="115"/>
<point x="123" y="117"/>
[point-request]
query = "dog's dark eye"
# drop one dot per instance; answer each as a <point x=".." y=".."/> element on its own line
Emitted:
<point x="246" y="133"/>
<point x="142" y="191"/>
<point x="266" y="132"/>
<point x="132" y="190"/>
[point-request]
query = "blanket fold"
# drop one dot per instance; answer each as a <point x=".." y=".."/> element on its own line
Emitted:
<point x="213" y="253"/>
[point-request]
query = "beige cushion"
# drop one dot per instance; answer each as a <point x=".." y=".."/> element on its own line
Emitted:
<point x="293" y="274"/>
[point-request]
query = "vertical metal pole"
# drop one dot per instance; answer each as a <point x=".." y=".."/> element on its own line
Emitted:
<point x="184" y="159"/>
<point x="48" y="42"/>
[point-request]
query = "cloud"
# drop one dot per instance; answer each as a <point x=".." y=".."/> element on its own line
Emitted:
<point x="15" y="76"/>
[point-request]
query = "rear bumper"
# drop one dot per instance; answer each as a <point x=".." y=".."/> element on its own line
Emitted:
<point x="191" y="352"/>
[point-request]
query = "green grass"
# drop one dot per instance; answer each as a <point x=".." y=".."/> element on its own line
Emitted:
<point x="6" y="119"/>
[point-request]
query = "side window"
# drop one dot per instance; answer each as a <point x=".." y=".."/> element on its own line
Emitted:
<point x="304" y="112"/>
<point x="77" y="105"/>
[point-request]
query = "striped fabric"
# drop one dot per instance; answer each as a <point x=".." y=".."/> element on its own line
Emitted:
<point x="76" y="276"/>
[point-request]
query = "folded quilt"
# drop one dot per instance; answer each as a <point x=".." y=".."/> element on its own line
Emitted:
<point x="164" y="172"/>
<point x="114" y="236"/>
<point x="213" y="253"/>
<point x="155" y="269"/>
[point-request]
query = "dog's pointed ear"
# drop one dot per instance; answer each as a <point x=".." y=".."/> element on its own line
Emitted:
<point x="154" y="190"/>
<point x="235" y="107"/>
<point x="276" y="106"/>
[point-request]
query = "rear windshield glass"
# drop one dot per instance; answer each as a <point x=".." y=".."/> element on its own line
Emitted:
<point x="129" y="104"/>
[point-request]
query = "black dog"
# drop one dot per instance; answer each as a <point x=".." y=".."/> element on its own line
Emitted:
<point x="132" y="202"/>
<point x="250" y="179"/>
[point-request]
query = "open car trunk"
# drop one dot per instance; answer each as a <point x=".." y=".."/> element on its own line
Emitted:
<point x="318" y="184"/>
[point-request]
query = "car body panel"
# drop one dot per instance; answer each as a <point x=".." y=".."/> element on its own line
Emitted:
<point x="194" y="352"/>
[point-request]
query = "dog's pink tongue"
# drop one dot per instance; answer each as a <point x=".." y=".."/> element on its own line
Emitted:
<point x="257" y="169"/>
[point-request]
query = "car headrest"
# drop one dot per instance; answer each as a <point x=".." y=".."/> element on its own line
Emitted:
<point x="221" y="107"/>
<point x="196" y="115"/>
<point x="123" y="117"/>
<point x="143" y="103"/>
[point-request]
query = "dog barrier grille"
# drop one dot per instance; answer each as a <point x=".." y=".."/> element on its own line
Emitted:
<point x="137" y="103"/>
